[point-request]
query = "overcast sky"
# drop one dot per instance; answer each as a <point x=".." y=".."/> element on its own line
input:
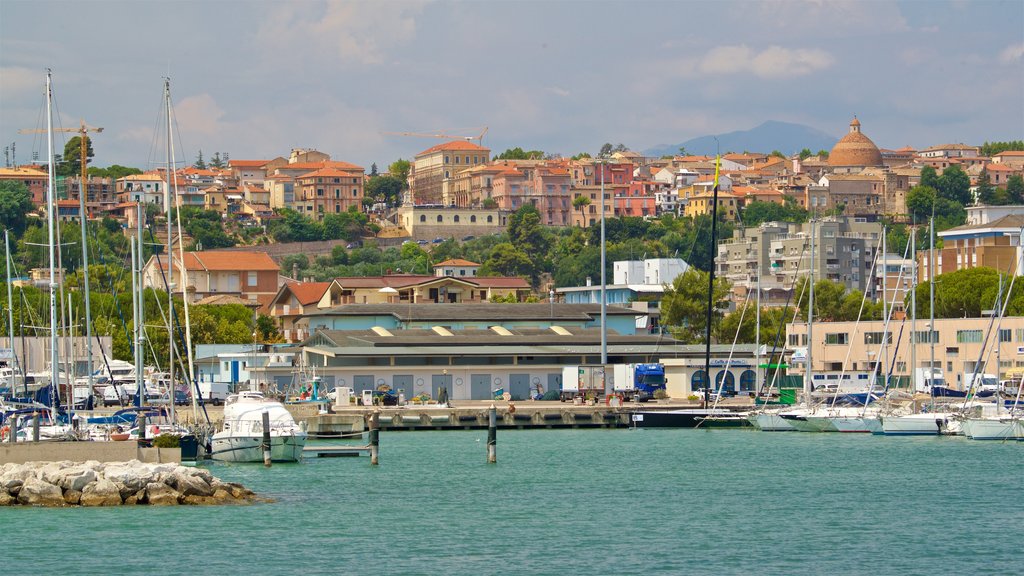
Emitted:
<point x="256" y="79"/>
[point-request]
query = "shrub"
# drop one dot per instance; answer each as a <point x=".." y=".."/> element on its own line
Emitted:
<point x="167" y="441"/>
<point x="660" y="394"/>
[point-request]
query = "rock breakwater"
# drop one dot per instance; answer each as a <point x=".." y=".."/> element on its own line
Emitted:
<point x="93" y="483"/>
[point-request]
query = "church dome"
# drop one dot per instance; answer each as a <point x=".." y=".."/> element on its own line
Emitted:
<point x="855" y="149"/>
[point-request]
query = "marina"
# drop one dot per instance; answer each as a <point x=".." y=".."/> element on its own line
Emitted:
<point x="665" y="501"/>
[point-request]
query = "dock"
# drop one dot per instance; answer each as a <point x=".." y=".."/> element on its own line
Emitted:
<point x="334" y="451"/>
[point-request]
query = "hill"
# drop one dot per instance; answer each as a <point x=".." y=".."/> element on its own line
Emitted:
<point x="785" y="137"/>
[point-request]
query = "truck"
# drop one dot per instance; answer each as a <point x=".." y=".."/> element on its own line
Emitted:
<point x="638" y="381"/>
<point x="585" y="381"/>
<point x="214" y="392"/>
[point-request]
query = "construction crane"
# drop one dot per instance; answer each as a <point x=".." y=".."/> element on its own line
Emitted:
<point x="444" y="135"/>
<point x="82" y="131"/>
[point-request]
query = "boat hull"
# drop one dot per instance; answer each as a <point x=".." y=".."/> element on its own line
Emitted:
<point x="914" y="425"/>
<point x="675" y="418"/>
<point x="284" y="448"/>
<point x="864" y="424"/>
<point x="993" y="429"/>
<point x="770" y="422"/>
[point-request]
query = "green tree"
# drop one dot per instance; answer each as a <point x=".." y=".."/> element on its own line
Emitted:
<point x="200" y="164"/>
<point x="955" y="184"/>
<point x="518" y="153"/>
<point x="400" y="169"/>
<point x="682" y="151"/>
<point x="966" y="292"/>
<point x="993" y="148"/>
<point x="267" y="330"/>
<point x="758" y="212"/>
<point x="989" y="194"/>
<point x="823" y="154"/>
<point x="929" y="177"/>
<point x="15" y="204"/>
<point x="373" y="170"/>
<point x="386" y="188"/>
<point x="216" y="161"/>
<point x="1015" y="189"/>
<point x="114" y="171"/>
<point x="72" y="164"/>
<point x="684" y="305"/>
<point x="489" y="203"/>
<point x="507" y="259"/>
<point x="777" y="154"/>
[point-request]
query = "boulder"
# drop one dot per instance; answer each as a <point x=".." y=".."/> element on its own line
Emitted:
<point x="72" y="497"/>
<point x="134" y="475"/>
<point x="102" y="492"/>
<point x="78" y="477"/>
<point x="160" y="494"/>
<point x="193" y="500"/>
<point x="136" y="498"/>
<point x="54" y="472"/>
<point x="15" y="476"/>
<point x="6" y="499"/>
<point x="35" y="492"/>
<point x="189" y="485"/>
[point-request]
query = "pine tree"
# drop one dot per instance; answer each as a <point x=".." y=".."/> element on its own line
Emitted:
<point x="200" y="164"/>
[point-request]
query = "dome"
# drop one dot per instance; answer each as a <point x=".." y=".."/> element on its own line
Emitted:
<point x="855" y="149"/>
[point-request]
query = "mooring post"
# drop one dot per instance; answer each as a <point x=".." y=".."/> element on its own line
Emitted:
<point x="266" y="439"/>
<point x="374" y="437"/>
<point x="492" y="435"/>
<point x="35" y="427"/>
<point x="12" y="434"/>
<point x="141" y="421"/>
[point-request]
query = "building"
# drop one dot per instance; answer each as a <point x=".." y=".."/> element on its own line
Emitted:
<point x="147" y="188"/>
<point x="292" y="301"/>
<point x="101" y="193"/>
<point x="329" y="191"/>
<point x="780" y="253"/>
<point x="239" y="365"/>
<point x="35" y="178"/>
<point x="957" y="347"/>
<point x="993" y="244"/>
<point x="433" y="169"/>
<point x="855" y="150"/>
<point x="430" y="222"/>
<point x="248" y="275"/>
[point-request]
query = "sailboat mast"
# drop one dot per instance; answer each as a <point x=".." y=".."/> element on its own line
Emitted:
<point x="885" y="314"/>
<point x="931" y="297"/>
<point x="82" y="190"/>
<point x="713" y="248"/>
<point x="10" y="313"/>
<point x="810" y="322"/>
<point x="913" y="310"/>
<point x="170" y="241"/>
<point x="51" y="214"/>
<point x="138" y="297"/>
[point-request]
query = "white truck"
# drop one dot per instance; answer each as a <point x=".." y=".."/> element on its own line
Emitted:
<point x="214" y="392"/>
<point x="587" y="381"/>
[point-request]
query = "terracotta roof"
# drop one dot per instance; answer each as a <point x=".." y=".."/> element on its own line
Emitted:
<point x="310" y="166"/>
<point x="247" y="163"/>
<point x="994" y="167"/>
<point x="328" y="172"/>
<point x="499" y="282"/>
<point x="308" y="292"/>
<point x="1011" y="153"/>
<point x="454" y="145"/>
<point x="229" y="260"/>
<point x="855" y="149"/>
<point x="224" y="299"/>
<point x="455" y="262"/>
<point x="22" y="172"/>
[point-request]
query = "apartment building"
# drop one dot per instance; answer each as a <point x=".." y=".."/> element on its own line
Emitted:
<point x="34" y="177"/>
<point x="433" y="169"/>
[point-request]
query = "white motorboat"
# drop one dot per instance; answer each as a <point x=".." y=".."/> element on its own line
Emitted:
<point x="1005" y="427"/>
<point x="770" y="421"/>
<point x="241" y="438"/>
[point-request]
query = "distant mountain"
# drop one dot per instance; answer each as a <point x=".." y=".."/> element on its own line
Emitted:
<point x="785" y="137"/>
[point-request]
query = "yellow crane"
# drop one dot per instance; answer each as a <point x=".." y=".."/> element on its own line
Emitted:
<point x="445" y="135"/>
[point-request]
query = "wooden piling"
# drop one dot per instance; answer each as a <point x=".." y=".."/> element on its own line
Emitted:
<point x="374" y="426"/>
<point x="266" y="439"/>
<point x="12" y="434"/>
<point x="492" y="435"/>
<point x="141" y="421"/>
<point x="35" y="427"/>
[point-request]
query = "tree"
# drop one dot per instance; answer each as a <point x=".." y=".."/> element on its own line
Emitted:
<point x="758" y="212"/>
<point x="993" y="148"/>
<point x="989" y="194"/>
<point x="685" y="302"/>
<point x="507" y="259"/>
<point x="806" y="153"/>
<point x="114" y="171"/>
<point x="15" y="204"/>
<point x="216" y="162"/>
<point x="580" y="203"/>
<point x="1015" y="189"/>
<point x="518" y="153"/>
<point x="929" y="177"/>
<point x="823" y="154"/>
<point x="387" y="188"/>
<point x="606" y="150"/>
<point x="955" y="184"/>
<point x="966" y="292"/>
<point x="489" y="203"/>
<point x="777" y="154"/>
<point x="72" y="164"/>
<point x="200" y="164"/>
<point x="373" y="170"/>
<point x="400" y="169"/>
<point x="682" y="151"/>
<point x="267" y="331"/>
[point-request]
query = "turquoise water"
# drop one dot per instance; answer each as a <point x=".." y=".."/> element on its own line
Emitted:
<point x="574" y="502"/>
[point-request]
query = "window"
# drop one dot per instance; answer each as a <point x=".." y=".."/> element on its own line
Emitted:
<point x="968" y="336"/>
<point x="490" y="219"/>
<point x="423" y="218"/>
<point x="456" y="159"/>
<point x="438" y="217"/>
<point x="923" y="337"/>
<point x="456" y="218"/>
<point x="876" y="338"/>
<point x="251" y="280"/>
<point x="445" y="159"/>
<point x="837" y="338"/>
<point x="319" y="191"/>
<point x="472" y="218"/>
<point x="794" y="339"/>
<point x="1004" y="335"/>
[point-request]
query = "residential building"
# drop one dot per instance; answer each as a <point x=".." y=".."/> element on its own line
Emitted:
<point x="101" y="193"/>
<point x="1013" y="158"/>
<point x="292" y="301"/>
<point x="248" y="275"/>
<point x="429" y="222"/>
<point x="433" y="169"/>
<point x="248" y="172"/>
<point x="993" y="244"/>
<point x="147" y="188"/>
<point x="329" y="191"/>
<point x="34" y="177"/>
<point x="950" y="151"/>
<point x="545" y="185"/>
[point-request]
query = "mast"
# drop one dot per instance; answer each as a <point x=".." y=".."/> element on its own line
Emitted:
<point x="10" y="313"/>
<point x="51" y="214"/>
<point x="713" y="248"/>
<point x="170" y="241"/>
<point x="82" y="190"/>
<point x="885" y="313"/>
<point x="931" y="301"/>
<point x="913" y="310"/>
<point x="757" y="324"/>
<point x="138" y="297"/>
<point x="604" y="317"/>
<point x="810" y="322"/>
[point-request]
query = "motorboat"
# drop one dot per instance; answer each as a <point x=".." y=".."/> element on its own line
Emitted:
<point x="241" y="438"/>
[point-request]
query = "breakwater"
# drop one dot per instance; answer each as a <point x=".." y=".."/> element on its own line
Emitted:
<point x="94" y="483"/>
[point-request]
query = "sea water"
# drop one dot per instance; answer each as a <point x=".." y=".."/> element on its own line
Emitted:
<point x="667" y="501"/>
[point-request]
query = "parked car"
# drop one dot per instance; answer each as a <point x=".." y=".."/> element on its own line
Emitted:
<point x="468" y="237"/>
<point x="181" y="398"/>
<point x="438" y="240"/>
<point x="422" y="242"/>
<point x="354" y="244"/>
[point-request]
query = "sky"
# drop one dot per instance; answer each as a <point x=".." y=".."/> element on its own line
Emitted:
<point x="256" y="79"/>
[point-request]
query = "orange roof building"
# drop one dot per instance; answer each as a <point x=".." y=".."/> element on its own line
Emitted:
<point x="855" y="149"/>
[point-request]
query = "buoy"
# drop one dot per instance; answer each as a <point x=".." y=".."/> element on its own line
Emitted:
<point x="4" y="432"/>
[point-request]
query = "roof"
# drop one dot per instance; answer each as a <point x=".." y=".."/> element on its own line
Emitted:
<point x="307" y="292"/>
<point x="247" y="163"/>
<point x="225" y="299"/>
<point x="455" y="262"/>
<point x="1012" y="222"/>
<point x="1010" y="153"/>
<point x="228" y="260"/>
<point x="455" y="145"/>
<point x="855" y="149"/>
<point x="327" y="172"/>
<point x="480" y="312"/>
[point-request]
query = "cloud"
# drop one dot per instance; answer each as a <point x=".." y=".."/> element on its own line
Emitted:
<point x="1012" y="53"/>
<point x="772" y="62"/>
<point x="19" y="81"/>
<point x="559" y="91"/>
<point x="199" y="115"/>
<point x="361" y="33"/>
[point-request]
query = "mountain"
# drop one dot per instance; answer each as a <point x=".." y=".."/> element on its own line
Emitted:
<point x="785" y="137"/>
